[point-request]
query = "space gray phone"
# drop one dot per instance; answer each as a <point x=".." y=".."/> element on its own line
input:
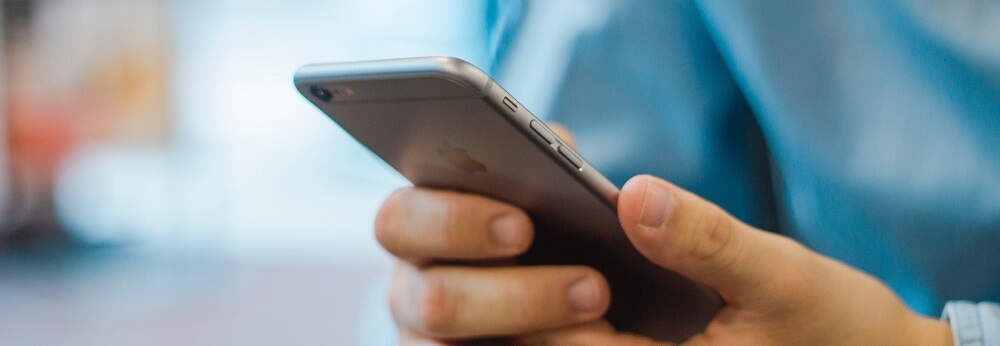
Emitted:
<point x="443" y="123"/>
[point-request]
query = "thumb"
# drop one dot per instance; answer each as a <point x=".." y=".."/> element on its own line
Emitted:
<point x="682" y="232"/>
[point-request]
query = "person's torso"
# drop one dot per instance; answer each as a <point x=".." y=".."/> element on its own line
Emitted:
<point x="869" y="131"/>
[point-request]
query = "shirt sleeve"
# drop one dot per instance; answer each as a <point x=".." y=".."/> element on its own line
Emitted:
<point x="973" y="324"/>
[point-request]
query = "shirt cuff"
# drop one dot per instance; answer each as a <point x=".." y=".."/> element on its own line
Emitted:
<point x="973" y="324"/>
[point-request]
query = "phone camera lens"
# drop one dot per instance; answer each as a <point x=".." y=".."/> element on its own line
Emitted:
<point x="321" y="93"/>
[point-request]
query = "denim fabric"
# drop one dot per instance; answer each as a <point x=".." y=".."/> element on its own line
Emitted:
<point x="867" y="130"/>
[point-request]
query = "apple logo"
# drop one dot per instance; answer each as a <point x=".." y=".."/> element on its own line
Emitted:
<point x="460" y="158"/>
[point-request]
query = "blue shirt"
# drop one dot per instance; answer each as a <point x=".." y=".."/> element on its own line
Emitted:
<point x="867" y="130"/>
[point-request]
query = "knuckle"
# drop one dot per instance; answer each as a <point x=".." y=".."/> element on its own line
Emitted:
<point x="436" y="314"/>
<point x="396" y="289"/>
<point x="449" y="218"/>
<point x="714" y="239"/>
<point x="514" y="305"/>
<point x="404" y="279"/>
<point x="518" y="301"/>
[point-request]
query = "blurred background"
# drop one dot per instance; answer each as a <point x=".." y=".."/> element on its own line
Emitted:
<point x="162" y="182"/>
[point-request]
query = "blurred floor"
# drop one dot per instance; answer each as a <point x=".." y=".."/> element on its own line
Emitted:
<point x="118" y="296"/>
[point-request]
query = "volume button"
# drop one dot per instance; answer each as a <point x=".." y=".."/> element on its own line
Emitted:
<point x="543" y="132"/>
<point x="571" y="157"/>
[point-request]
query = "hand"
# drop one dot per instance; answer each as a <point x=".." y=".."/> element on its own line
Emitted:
<point x="776" y="290"/>
<point x="455" y="279"/>
<point x="452" y="285"/>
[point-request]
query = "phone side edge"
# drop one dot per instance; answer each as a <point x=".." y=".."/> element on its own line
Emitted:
<point x="588" y="176"/>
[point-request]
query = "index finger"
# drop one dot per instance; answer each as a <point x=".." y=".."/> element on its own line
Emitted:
<point x="420" y="225"/>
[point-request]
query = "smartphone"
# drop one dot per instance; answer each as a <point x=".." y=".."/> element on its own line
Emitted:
<point x="444" y="123"/>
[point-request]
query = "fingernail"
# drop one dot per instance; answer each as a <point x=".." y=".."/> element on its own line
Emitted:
<point x="656" y="205"/>
<point x="508" y="231"/>
<point x="583" y="294"/>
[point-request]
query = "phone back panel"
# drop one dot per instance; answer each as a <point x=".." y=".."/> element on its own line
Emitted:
<point x="442" y="123"/>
